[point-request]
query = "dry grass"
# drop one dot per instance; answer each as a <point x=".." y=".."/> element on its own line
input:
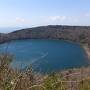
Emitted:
<point x="76" y="79"/>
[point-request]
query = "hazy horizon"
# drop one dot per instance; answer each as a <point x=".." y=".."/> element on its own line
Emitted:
<point x="32" y="13"/>
<point x="11" y="29"/>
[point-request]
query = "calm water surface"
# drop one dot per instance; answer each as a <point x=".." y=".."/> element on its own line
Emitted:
<point x="46" y="55"/>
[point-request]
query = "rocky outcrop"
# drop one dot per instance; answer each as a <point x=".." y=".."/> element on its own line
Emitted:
<point x="74" y="33"/>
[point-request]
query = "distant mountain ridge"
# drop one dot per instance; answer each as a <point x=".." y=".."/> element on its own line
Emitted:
<point x="73" y="33"/>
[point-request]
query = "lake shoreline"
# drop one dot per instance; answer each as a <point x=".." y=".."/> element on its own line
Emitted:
<point x="84" y="46"/>
<point x="87" y="50"/>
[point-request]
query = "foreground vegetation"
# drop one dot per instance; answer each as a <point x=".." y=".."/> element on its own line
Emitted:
<point x="10" y="79"/>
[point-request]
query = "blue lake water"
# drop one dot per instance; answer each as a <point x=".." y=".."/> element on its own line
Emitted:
<point x="46" y="55"/>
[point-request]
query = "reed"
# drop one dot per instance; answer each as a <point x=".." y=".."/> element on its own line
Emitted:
<point x="11" y="79"/>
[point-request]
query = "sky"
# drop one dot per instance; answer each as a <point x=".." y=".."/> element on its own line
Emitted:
<point x="32" y="13"/>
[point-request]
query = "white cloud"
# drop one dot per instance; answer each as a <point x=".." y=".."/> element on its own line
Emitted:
<point x="57" y="18"/>
<point x="20" y="20"/>
<point x="87" y="14"/>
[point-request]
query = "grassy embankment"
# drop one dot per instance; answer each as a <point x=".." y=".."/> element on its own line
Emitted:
<point x="74" y="79"/>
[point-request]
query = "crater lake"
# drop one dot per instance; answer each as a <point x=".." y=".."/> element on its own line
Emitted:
<point x="45" y="55"/>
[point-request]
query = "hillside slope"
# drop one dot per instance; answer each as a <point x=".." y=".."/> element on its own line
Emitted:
<point x="74" y="33"/>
